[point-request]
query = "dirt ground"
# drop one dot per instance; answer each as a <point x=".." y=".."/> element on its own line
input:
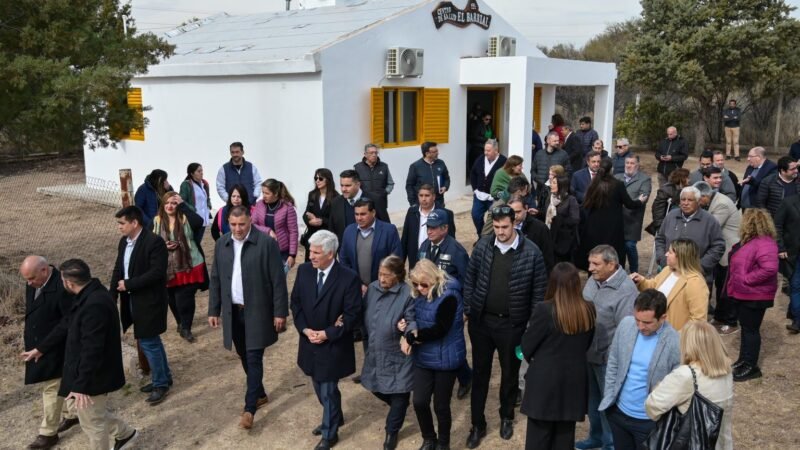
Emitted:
<point x="202" y="410"/>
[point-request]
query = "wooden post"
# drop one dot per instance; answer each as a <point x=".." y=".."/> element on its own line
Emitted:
<point x="126" y="186"/>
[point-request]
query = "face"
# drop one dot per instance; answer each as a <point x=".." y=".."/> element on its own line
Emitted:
<point x="598" y="145"/>
<point x="237" y="154"/>
<point x="236" y="198"/>
<point x="594" y="163"/>
<point x="437" y="234"/>
<point x="554" y="185"/>
<point x="705" y="162"/>
<point x="433" y="153"/>
<point x="518" y="170"/>
<point x="520" y="213"/>
<point x="490" y="152"/>
<point x="672" y="259"/>
<point x="386" y="278"/>
<point x="754" y="159"/>
<point x="689" y="204"/>
<point x="364" y="217"/>
<point x="647" y="322"/>
<point x="504" y="230"/>
<point x="36" y="277"/>
<point x="790" y="174"/>
<point x="371" y="154"/>
<point x="165" y="185"/>
<point x="714" y="180"/>
<point x="240" y="226"/>
<point x="268" y="196"/>
<point x="732" y="103"/>
<point x="423" y="284"/>
<point x="585" y="126"/>
<point x="601" y="270"/>
<point x="631" y="166"/>
<point x="320" y="182"/>
<point x="719" y="160"/>
<point x="171" y="205"/>
<point x="320" y="259"/>
<point x="198" y="174"/>
<point x="621" y="148"/>
<point x="127" y="229"/>
<point x="672" y="133"/>
<point x="349" y="187"/>
<point x="426" y="199"/>
<point x="487" y="119"/>
<point x="553" y="140"/>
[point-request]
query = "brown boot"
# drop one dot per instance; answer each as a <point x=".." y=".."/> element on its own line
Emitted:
<point x="43" y="442"/>
<point x="246" y="422"/>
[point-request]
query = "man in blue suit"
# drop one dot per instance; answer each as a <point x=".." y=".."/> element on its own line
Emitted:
<point x="583" y="178"/>
<point x="326" y="304"/>
<point x="758" y="168"/>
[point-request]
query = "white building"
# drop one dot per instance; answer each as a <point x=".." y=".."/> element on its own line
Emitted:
<point x="308" y="88"/>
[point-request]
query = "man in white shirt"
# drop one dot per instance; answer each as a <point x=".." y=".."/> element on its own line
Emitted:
<point x="480" y="177"/>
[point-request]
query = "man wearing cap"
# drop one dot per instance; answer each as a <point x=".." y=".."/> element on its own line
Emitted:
<point x="415" y="225"/>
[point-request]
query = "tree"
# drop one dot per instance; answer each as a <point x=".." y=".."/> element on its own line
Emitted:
<point x="705" y="49"/>
<point x="65" y="69"/>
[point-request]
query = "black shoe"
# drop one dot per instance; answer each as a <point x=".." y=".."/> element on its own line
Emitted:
<point x="728" y="157"/>
<point x="120" y="444"/>
<point x="44" y="442"/>
<point x="318" y="431"/>
<point x="428" y="444"/>
<point x="475" y="436"/>
<point x="66" y="424"/>
<point x="518" y="400"/>
<point x="506" y="429"/>
<point x="148" y="388"/>
<point x="794" y="327"/>
<point x="187" y="335"/>
<point x="157" y="396"/>
<point x="463" y="390"/>
<point x="737" y="158"/>
<point x="390" y="443"/>
<point x="735" y="366"/>
<point x="326" y="444"/>
<point x="746" y="372"/>
<point x="442" y="446"/>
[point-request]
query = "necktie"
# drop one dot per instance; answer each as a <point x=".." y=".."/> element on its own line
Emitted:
<point x="434" y="252"/>
<point x="591" y="175"/>
<point x="351" y="201"/>
<point x="320" y="282"/>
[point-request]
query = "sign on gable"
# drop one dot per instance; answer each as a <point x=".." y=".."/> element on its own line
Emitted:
<point x="446" y="12"/>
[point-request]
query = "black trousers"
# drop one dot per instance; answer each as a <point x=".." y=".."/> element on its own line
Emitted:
<point x="182" y="304"/>
<point x="751" y="314"/>
<point x="439" y="385"/>
<point x="252" y="362"/>
<point x="547" y="435"/>
<point x="398" y="404"/>
<point x="629" y="432"/>
<point x="725" y="311"/>
<point x="490" y="334"/>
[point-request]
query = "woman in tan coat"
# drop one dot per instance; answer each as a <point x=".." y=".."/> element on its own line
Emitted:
<point x="682" y="282"/>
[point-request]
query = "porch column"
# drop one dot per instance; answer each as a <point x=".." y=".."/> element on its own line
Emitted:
<point x="520" y="117"/>
<point x="604" y="113"/>
<point x="548" y="108"/>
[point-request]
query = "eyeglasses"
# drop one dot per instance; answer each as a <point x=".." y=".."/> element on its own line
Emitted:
<point x="421" y="285"/>
<point x="502" y="210"/>
<point x="621" y="146"/>
<point x="316" y="178"/>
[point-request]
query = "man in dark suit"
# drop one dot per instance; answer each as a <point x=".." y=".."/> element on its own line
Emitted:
<point x="758" y="168"/>
<point x="573" y="145"/>
<point x="140" y="281"/>
<point x="583" y="178"/>
<point x="415" y="225"/>
<point x="480" y="178"/>
<point x="326" y="304"/>
<point x="342" y="213"/>
<point x="366" y="242"/>
<point x="46" y="305"/>
<point x="533" y="229"/>
<point x="671" y="154"/>
<point x="248" y="291"/>
<point x="93" y="358"/>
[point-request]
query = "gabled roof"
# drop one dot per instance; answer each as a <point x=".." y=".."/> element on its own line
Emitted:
<point x="291" y="38"/>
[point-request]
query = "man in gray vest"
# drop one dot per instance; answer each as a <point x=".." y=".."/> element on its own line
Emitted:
<point x="238" y="171"/>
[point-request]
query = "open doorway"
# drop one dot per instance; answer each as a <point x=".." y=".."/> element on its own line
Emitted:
<point x="482" y="120"/>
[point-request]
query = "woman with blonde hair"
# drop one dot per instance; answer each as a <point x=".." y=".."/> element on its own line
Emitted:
<point x="439" y="350"/>
<point x="682" y="281"/>
<point x="752" y="284"/>
<point x="512" y="168"/>
<point x="704" y="362"/>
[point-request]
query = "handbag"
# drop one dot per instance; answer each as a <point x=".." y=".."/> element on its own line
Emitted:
<point x="698" y="429"/>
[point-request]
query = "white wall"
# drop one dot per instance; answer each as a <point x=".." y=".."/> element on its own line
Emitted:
<point x="277" y="118"/>
<point x="352" y="67"/>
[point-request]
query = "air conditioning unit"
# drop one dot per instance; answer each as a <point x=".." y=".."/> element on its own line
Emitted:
<point x="402" y="62"/>
<point x="502" y="46"/>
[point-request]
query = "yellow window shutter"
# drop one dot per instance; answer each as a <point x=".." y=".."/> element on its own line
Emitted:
<point x="537" y="108"/>
<point x="377" y="114"/>
<point x="436" y="115"/>
<point x="135" y="103"/>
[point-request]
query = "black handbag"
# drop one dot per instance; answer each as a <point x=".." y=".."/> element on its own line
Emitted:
<point x="698" y="429"/>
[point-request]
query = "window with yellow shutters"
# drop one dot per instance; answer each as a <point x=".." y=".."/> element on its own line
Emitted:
<point x="135" y="103"/>
<point x="402" y="117"/>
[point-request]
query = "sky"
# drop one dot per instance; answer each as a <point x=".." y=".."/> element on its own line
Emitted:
<point x="543" y="22"/>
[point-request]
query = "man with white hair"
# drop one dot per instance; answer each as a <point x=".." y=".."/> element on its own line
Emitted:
<point x="758" y="168"/>
<point x="689" y="221"/>
<point x="637" y="183"/>
<point x="671" y="154"/>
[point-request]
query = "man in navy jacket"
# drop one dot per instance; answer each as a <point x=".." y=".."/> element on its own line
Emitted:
<point x="583" y="178"/>
<point x="366" y="242"/>
<point x="758" y="168"/>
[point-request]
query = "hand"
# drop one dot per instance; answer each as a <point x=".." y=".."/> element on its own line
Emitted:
<point x="318" y="337"/>
<point x="642" y="198"/>
<point x="533" y="211"/>
<point x="178" y="199"/>
<point x="401" y="325"/>
<point x="783" y="255"/>
<point x="364" y="288"/>
<point x="668" y="158"/>
<point x="81" y="400"/>
<point x="405" y="347"/>
<point x="213" y="322"/>
<point x="339" y="321"/>
<point x="745" y="181"/>
<point x="315" y="222"/>
<point x="290" y="262"/>
<point x="466" y="318"/>
<point x="280" y="324"/>
<point x="34" y="355"/>
<point x="442" y="190"/>
<point x="636" y="278"/>
<point x="310" y="216"/>
<point x="273" y="235"/>
<point x="172" y="245"/>
<point x="121" y="286"/>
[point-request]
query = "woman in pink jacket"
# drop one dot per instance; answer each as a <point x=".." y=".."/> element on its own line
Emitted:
<point x="276" y="216"/>
<point x="752" y="283"/>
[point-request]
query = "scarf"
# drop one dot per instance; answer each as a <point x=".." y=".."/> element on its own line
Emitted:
<point x="555" y="200"/>
<point x="179" y="259"/>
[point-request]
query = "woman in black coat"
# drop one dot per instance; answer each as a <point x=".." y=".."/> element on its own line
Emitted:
<point x="555" y="344"/>
<point x="603" y="209"/>
<point x="560" y="212"/>
<point x="668" y="197"/>
<point x="318" y="207"/>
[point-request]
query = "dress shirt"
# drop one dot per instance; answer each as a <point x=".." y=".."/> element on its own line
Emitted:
<point x="634" y="392"/>
<point x="504" y="248"/>
<point x="325" y="272"/>
<point x="39" y="289"/>
<point x="126" y="260"/>
<point x="487" y="165"/>
<point x="237" y="287"/>
<point x="365" y="232"/>
<point x="423" y="227"/>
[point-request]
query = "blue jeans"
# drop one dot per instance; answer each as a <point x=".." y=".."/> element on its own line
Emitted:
<point x="331" y="400"/>
<point x="156" y="356"/>
<point x="599" y="430"/>
<point x="632" y="256"/>
<point x="794" y="291"/>
<point x="479" y="208"/>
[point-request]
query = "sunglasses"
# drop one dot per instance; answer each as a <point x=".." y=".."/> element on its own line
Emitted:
<point x="502" y="210"/>
<point x="421" y="285"/>
<point x="319" y="178"/>
<point x="620" y="146"/>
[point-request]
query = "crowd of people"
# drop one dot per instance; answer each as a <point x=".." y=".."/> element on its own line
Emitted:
<point x="623" y="348"/>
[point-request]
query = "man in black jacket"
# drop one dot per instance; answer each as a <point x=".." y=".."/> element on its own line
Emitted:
<point x="506" y="277"/>
<point x="342" y="206"/>
<point x="46" y="305"/>
<point x="428" y="170"/>
<point x="533" y="229"/>
<point x="758" y="169"/>
<point x="93" y="358"/>
<point x="140" y="281"/>
<point x="671" y="154"/>
<point x="573" y="145"/>
<point x="779" y="185"/>
<point x="416" y="223"/>
<point x="376" y="180"/>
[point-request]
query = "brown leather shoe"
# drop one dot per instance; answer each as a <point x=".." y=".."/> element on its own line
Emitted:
<point x="246" y="422"/>
<point x="43" y="442"/>
<point x="66" y="424"/>
<point x="262" y="401"/>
